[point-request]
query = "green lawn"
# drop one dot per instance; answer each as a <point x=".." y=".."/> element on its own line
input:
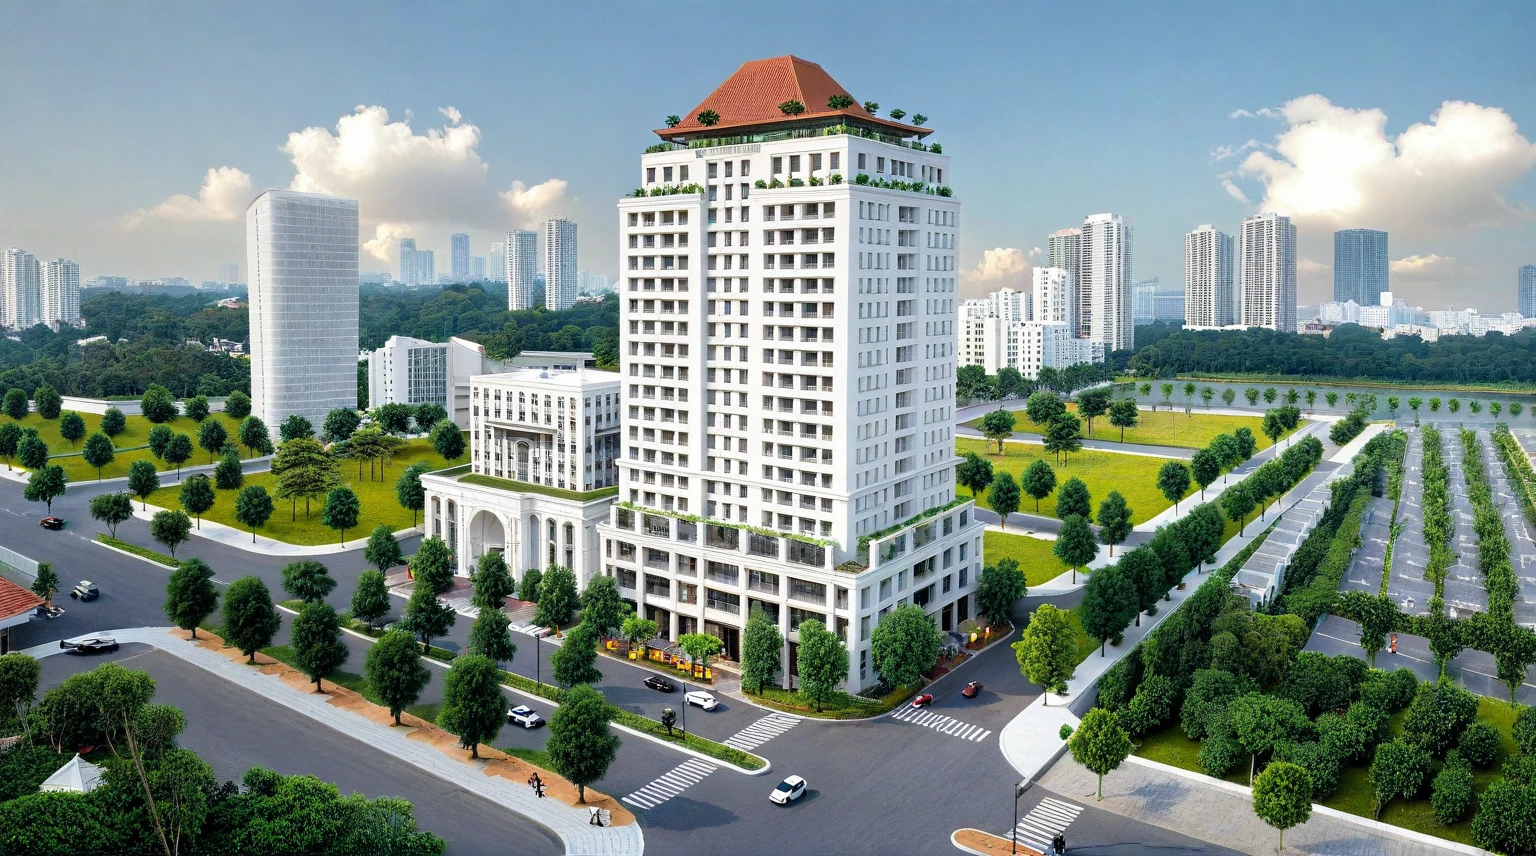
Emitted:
<point x="840" y="706"/>
<point x="537" y="757"/>
<point x="1086" y="645"/>
<point x="547" y="490"/>
<point x="133" y="437"/>
<point x="377" y="496"/>
<point x="1135" y="476"/>
<point x="1034" y="555"/>
<point x="1162" y="428"/>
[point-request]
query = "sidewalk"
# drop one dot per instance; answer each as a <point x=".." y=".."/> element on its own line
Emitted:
<point x="241" y="539"/>
<point x="569" y="823"/>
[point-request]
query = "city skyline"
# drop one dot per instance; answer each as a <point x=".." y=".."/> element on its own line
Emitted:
<point x="1143" y="150"/>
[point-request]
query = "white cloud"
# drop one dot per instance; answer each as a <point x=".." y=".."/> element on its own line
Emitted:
<point x="1221" y="153"/>
<point x="385" y="244"/>
<point x="1261" y="113"/>
<point x="1432" y="266"/>
<point x="225" y="194"/>
<point x="453" y="114"/>
<point x="1232" y="189"/>
<point x="1335" y="167"/>
<point x="529" y="205"/>
<point x="1000" y="267"/>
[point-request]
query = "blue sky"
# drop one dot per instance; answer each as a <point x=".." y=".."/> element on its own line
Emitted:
<point x="1049" y="111"/>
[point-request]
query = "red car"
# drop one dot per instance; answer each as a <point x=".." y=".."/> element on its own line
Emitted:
<point x="971" y="689"/>
<point x="923" y="700"/>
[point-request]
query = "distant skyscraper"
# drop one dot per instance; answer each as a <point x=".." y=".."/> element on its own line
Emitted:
<point x="229" y="272"/>
<point x="522" y="264"/>
<point x="61" y="293"/>
<point x="301" y="257"/>
<point x="1063" y="250"/>
<point x="458" y="257"/>
<point x="476" y="268"/>
<point x="23" y="304"/>
<point x="1268" y="268"/>
<point x="560" y="282"/>
<point x="408" y="261"/>
<point x="426" y="268"/>
<point x="1144" y="301"/>
<point x="496" y="267"/>
<point x="1210" y="296"/>
<point x="1104" y="282"/>
<point x="1528" y="291"/>
<point x="1360" y="266"/>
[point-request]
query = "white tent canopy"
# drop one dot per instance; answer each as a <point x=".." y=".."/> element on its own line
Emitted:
<point x="79" y="776"/>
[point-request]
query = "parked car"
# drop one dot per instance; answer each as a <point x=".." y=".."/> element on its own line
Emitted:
<point x="788" y="791"/>
<point x="46" y="612"/>
<point x="525" y="716"/>
<point x="85" y="590"/>
<point x="88" y="644"/>
<point x="51" y="523"/>
<point x="660" y="684"/>
<point x="971" y="689"/>
<point x="700" y="698"/>
<point x="923" y="700"/>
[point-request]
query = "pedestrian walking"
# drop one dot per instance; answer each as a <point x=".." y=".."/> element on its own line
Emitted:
<point x="1393" y="646"/>
<point x="1059" y="844"/>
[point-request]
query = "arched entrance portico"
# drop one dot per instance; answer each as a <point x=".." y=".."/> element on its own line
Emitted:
<point x="486" y="535"/>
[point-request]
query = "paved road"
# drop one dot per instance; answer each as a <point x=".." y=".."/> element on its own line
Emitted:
<point x="233" y="730"/>
<point x="1472" y="669"/>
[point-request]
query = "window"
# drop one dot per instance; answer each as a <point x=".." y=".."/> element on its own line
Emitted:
<point x="713" y="168"/>
<point x="837" y="158"/>
<point x="666" y="173"/>
<point x="862" y="160"/>
<point x="778" y="165"/>
<point x="682" y="175"/>
<point x="650" y="174"/>
<point x="815" y="162"/>
<point x="794" y="163"/>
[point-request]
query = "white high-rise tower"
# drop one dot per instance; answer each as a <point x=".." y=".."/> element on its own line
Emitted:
<point x="1210" y="292"/>
<point x="522" y="265"/>
<point x="789" y="356"/>
<point x="458" y="257"/>
<point x="496" y="267"/>
<point x="1104" y="282"/>
<point x="1268" y="270"/>
<point x="407" y="261"/>
<point x="301" y="252"/>
<point x="1063" y="250"/>
<point x="61" y="293"/>
<point x="561" y="282"/>
<point x="23" y="292"/>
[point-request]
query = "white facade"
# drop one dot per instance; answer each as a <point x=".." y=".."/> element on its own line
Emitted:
<point x="302" y="262"/>
<point x="557" y="430"/>
<point x="426" y="268"/>
<point x="458" y="257"/>
<point x="1063" y="251"/>
<point x="522" y="255"/>
<point x="561" y="282"/>
<point x="22" y="306"/>
<point x="981" y="335"/>
<point x="1023" y="331"/>
<point x="1035" y="345"/>
<point x="1268" y="268"/>
<point x="61" y="293"/>
<point x="790" y="358"/>
<point x="415" y="371"/>
<point x="1210" y="292"/>
<point x="1055" y="297"/>
<point x="1104" y="282"/>
<point x="496" y="267"/>
<point x="408" y="261"/>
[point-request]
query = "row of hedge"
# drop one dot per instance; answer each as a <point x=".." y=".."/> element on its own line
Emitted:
<point x="1348" y="428"/>
<point x="1492" y="541"/>
<point x="1394" y="490"/>
<point x="1437" y="511"/>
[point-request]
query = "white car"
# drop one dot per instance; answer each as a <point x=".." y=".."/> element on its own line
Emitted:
<point x="788" y="791"/>
<point x="525" y="716"/>
<point x="700" y="698"/>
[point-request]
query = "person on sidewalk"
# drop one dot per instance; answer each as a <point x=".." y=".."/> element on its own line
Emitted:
<point x="1059" y="844"/>
<point x="1393" y="646"/>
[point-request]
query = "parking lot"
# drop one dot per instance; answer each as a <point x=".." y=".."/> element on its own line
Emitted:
<point x="1522" y="548"/>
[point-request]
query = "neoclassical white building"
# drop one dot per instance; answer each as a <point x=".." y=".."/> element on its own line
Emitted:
<point x="544" y="446"/>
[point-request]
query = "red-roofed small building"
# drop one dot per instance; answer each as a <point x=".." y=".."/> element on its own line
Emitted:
<point x="16" y="607"/>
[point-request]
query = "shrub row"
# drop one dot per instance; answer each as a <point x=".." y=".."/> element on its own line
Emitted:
<point x="1492" y="542"/>
<point x="1348" y="428"/>
<point x="1437" y="513"/>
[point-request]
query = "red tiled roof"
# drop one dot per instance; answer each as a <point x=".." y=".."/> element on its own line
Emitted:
<point x="753" y="94"/>
<point x="15" y="600"/>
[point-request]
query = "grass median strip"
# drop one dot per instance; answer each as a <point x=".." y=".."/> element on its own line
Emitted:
<point x="142" y="552"/>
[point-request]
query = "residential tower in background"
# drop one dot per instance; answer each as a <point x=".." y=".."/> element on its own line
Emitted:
<point x="1267" y="265"/>
<point x="561" y="283"/>
<point x="1210" y="291"/>
<point x="1361" y="266"/>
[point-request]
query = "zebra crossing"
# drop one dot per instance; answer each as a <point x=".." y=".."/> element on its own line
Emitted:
<point x="671" y="783"/>
<point x="942" y="724"/>
<point x="761" y="731"/>
<point x="1044" y="822"/>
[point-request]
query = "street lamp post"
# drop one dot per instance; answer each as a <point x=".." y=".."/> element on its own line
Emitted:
<point x="1013" y="836"/>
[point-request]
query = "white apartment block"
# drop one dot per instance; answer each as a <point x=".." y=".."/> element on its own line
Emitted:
<point x="61" y="293"/>
<point x="408" y="261"/>
<point x="301" y="256"/>
<point x="1104" y="282"/>
<point x="543" y="470"/>
<point x="458" y="257"/>
<point x="1210" y="291"/>
<point x="999" y="331"/>
<point x="426" y="268"/>
<point x="1055" y="297"/>
<point x="562" y="284"/>
<point x="1063" y="251"/>
<point x="22" y="306"/>
<point x="1035" y="345"/>
<point x="522" y="255"/>
<point x="789" y="336"/>
<point x="1267" y="265"/>
<point x="981" y="335"/>
<point x="496" y="267"/>
<point x="415" y="371"/>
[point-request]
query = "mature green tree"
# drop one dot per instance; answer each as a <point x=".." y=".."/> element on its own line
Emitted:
<point x="999" y="589"/>
<point x="1114" y="520"/>
<point x="1453" y="793"/>
<point x="253" y="508"/>
<point x="342" y="510"/>
<point x="395" y="671"/>
<point x="171" y="528"/>
<point x="998" y="426"/>
<point x="426" y="616"/>
<point x="1100" y="744"/>
<point x="1262" y="722"/>
<point x="46" y="584"/>
<point x="601" y="606"/>
<point x="1398" y="770"/>
<point x="1439" y="714"/>
<point x="158" y="405"/>
<point x="580" y="745"/>
<point x="237" y="405"/>
<point x="1073" y="498"/>
<point x="575" y="661"/>
<point x="143" y="480"/>
<point x="1047" y="651"/>
<point x="528" y="586"/>
<point x="1124" y="414"/>
<point x="19" y="676"/>
<point x="339" y="424"/>
<point x="72" y="428"/>
<point x="432" y="566"/>
<point x="113" y="422"/>
<point x="308" y="580"/>
<point x="253" y="434"/>
<point x="383" y="551"/>
<point x="472" y="704"/>
<point x="448" y="440"/>
<point x="1282" y="797"/>
<point x="1003" y="496"/>
<point x="159" y="437"/>
<point x="974" y="473"/>
<point x="1237" y="503"/>
<point x="317" y="645"/>
<point x="1108" y="603"/>
<point x="1042" y="407"/>
<point x="10" y="441"/>
<point x="822" y="660"/>
<point x="370" y="600"/>
<point x="408" y="490"/>
<point x="31" y="450"/>
<point x="638" y="631"/>
<point x="1076" y="545"/>
<point x="16" y="404"/>
<point x="250" y="619"/>
<point x="303" y="469"/>
<point x="1145" y="572"/>
<point x="1205" y="466"/>
<point x="762" y="649"/>
<point x="295" y="426"/>
<point x="211" y="438"/>
<point x="98" y="452"/>
<point x="1446" y="635"/>
<point x="1205" y="702"/>
<point x="111" y="509"/>
<point x="490" y="637"/>
<point x="197" y="408"/>
<point x="428" y="415"/>
<point x="557" y="597"/>
<point x="905" y="645"/>
<point x="177" y="451"/>
<point x="1506" y="816"/>
<point x="1093" y="403"/>
<point x="1038" y="481"/>
<point x="229" y="474"/>
<point x="1173" y="480"/>
<point x="1063" y="436"/>
<point x="47" y="401"/>
<point x="45" y="485"/>
<point x="197" y="496"/>
<point x="393" y="418"/>
<point x="700" y="648"/>
<point x="1246" y="444"/>
<point x="1225" y="448"/>
<point x="1228" y="395"/>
